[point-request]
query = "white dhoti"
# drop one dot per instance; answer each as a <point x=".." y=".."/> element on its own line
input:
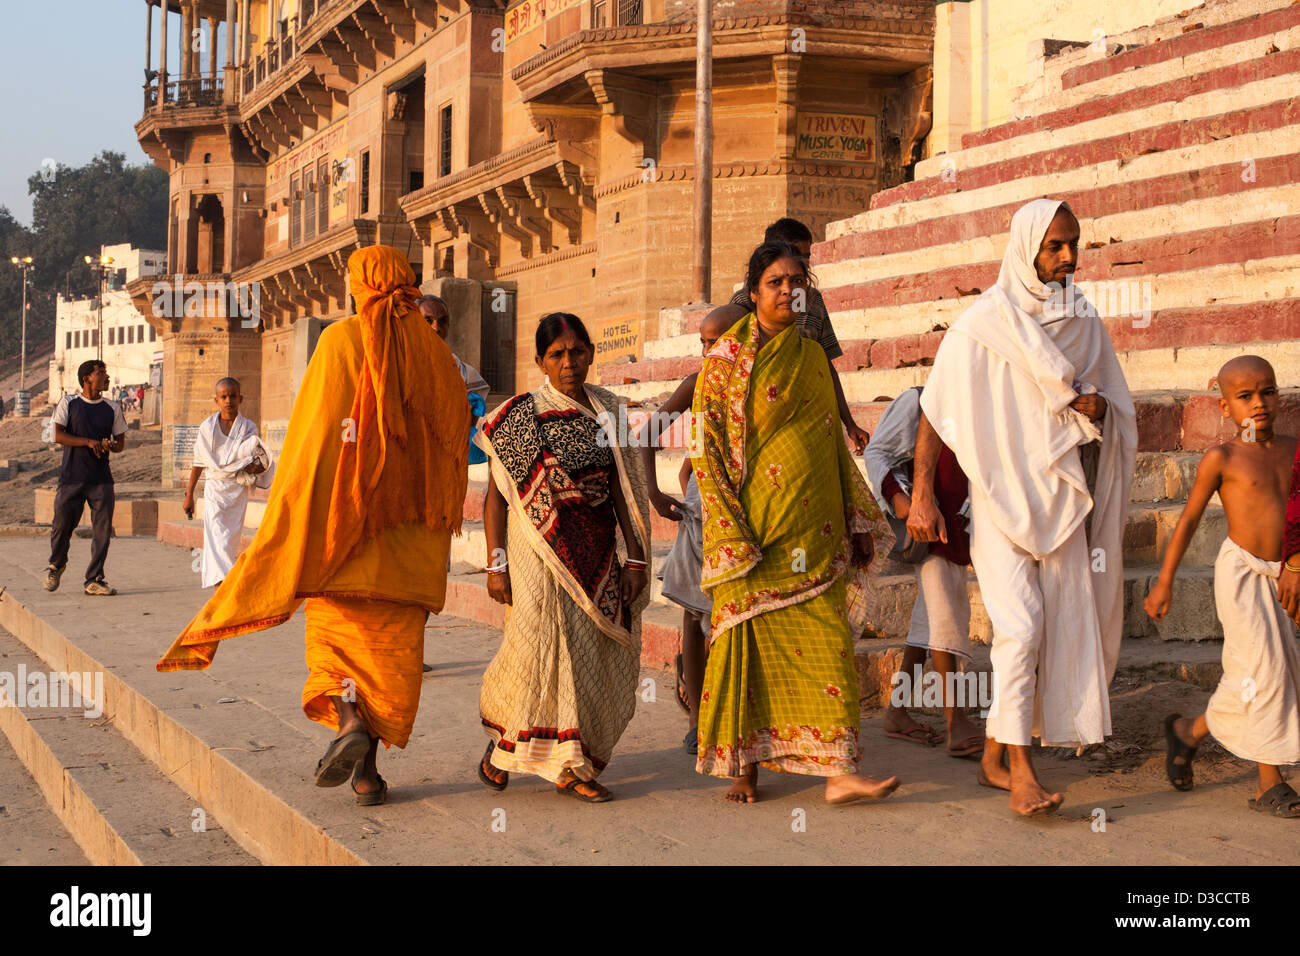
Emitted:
<point x="941" y="614"/>
<point x="1255" y="711"/>
<point x="224" y="505"/>
<point x="1049" y="670"/>
<point x="1047" y="548"/>
<point x="226" y="485"/>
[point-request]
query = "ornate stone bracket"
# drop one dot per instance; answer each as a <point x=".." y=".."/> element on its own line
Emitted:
<point x="628" y="102"/>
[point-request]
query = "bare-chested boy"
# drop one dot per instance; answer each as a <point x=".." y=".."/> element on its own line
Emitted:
<point x="1255" y="711"/>
<point x="681" y="570"/>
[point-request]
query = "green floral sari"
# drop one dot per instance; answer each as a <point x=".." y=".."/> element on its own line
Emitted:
<point x="780" y="495"/>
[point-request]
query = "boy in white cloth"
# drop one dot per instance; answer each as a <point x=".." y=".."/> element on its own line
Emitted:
<point x="1025" y="388"/>
<point x="1255" y="711"/>
<point x="235" y="458"/>
<point x="940" y="624"/>
<point x="681" y="570"/>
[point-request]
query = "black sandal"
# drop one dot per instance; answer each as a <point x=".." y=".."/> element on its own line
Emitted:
<point x="570" y="786"/>
<point x="1175" y="749"/>
<point x="1280" y="801"/>
<point x="341" y="758"/>
<point x="483" y="774"/>
<point x="682" y="700"/>
<point x="375" y="797"/>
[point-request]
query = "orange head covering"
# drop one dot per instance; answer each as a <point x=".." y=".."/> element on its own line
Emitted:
<point x="408" y="462"/>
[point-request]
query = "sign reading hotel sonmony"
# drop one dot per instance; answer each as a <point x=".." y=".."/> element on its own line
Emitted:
<point x="836" y="138"/>
<point x="618" y="338"/>
<point x="529" y="14"/>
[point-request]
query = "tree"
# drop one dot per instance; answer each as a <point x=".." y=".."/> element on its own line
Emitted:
<point x="74" y="212"/>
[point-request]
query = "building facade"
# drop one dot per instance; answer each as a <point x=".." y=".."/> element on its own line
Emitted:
<point x="130" y="341"/>
<point x="527" y="157"/>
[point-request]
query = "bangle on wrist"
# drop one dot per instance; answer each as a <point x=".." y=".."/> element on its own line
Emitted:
<point x="497" y="568"/>
<point x="1287" y="565"/>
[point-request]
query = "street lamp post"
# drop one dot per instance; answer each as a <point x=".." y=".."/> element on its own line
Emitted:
<point x="24" y="263"/>
<point x="100" y="267"/>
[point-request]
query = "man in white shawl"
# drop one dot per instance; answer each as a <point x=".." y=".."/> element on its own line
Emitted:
<point x="229" y="449"/>
<point x="1027" y="392"/>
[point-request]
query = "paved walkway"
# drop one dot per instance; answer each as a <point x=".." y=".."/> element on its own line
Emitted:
<point x="247" y="706"/>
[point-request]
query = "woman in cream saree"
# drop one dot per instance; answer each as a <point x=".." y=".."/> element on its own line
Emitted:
<point x="562" y="688"/>
<point x="788" y="551"/>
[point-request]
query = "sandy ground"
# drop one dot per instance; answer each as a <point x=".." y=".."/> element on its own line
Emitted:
<point x="21" y="441"/>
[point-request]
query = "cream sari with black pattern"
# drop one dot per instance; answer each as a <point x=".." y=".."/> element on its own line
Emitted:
<point x="561" y="689"/>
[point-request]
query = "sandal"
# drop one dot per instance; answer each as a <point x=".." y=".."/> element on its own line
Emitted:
<point x="968" y="746"/>
<point x="373" y="798"/>
<point x="928" y="737"/>
<point x="1281" y="801"/>
<point x="571" y="784"/>
<point x="483" y="774"/>
<point x="682" y="701"/>
<point x="1179" y="774"/>
<point x="692" y="742"/>
<point x="341" y="757"/>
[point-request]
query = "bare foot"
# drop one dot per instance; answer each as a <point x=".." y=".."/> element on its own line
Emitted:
<point x="745" y="789"/>
<point x="852" y="787"/>
<point x="993" y="771"/>
<point x="365" y="776"/>
<point x="1029" y="798"/>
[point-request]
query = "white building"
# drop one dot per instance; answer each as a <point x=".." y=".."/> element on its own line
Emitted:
<point x="131" y="345"/>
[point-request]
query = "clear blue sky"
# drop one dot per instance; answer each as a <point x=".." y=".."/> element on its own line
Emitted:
<point x="71" y="81"/>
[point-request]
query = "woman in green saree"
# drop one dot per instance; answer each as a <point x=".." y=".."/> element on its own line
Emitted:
<point x="791" y="538"/>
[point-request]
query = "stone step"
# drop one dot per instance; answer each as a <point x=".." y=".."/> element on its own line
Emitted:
<point x="1272" y="231"/>
<point x="1255" y="321"/>
<point x="1083" y="184"/>
<point x="1235" y="283"/>
<point x="1261" y="104"/>
<point x="1148" y="370"/>
<point x="1131" y="210"/>
<point x="120" y="809"/>
<point x="1228" y="65"/>
<point x="1185" y="307"/>
<point x="1188" y="44"/>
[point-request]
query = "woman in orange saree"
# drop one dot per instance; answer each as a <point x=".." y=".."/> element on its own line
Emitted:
<point x="371" y="484"/>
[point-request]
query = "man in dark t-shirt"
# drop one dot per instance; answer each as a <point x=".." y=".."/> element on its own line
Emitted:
<point x="88" y="427"/>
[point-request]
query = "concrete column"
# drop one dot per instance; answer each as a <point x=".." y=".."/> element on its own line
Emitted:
<point x="230" y="35"/>
<point x="212" y="47"/>
<point x="186" y="21"/>
<point x="148" y="34"/>
<point x="244" y="33"/>
<point x="162" y="54"/>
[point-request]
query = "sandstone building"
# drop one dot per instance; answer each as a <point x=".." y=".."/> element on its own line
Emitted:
<point x="130" y="344"/>
<point x="528" y="157"/>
